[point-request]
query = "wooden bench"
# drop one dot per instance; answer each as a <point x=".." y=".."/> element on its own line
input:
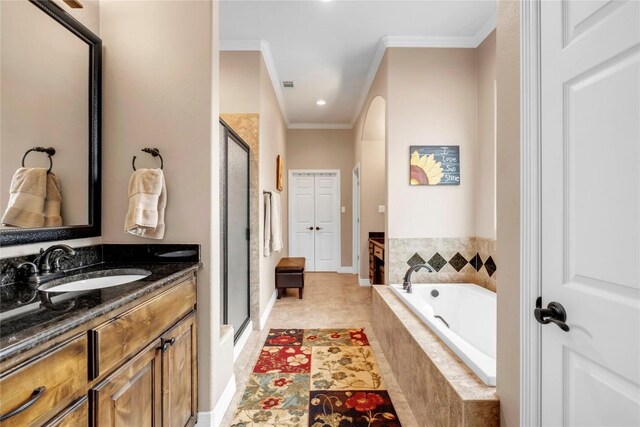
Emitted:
<point x="290" y="274"/>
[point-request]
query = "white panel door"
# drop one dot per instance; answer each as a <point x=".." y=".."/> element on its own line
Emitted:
<point x="302" y="219"/>
<point x="326" y="226"/>
<point x="590" y="170"/>
<point x="314" y="220"/>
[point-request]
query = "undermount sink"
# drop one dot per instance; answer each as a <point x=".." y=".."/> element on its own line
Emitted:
<point x="95" y="280"/>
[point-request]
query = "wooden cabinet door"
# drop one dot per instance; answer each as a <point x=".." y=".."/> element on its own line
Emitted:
<point x="131" y="396"/>
<point x="180" y="374"/>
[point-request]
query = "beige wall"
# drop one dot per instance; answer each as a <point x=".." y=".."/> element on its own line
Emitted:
<point x="486" y="184"/>
<point x="246" y="88"/>
<point x="327" y="149"/>
<point x="371" y="156"/>
<point x="44" y="101"/>
<point x="88" y="15"/>
<point x="272" y="143"/>
<point x="508" y="197"/>
<point x="151" y="100"/>
<point x="240" y="78"/>
<point x="432" y="101"/>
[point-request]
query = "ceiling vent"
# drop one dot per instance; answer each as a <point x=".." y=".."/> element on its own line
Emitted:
<point x="287" y="84"/>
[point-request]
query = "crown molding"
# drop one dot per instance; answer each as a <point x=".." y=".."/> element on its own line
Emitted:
<point x="419" y="42"/>
<point x="261" y="46"/>
<point x="320" y="126"/>
<point x="384" y="43"/>
<point x="485" y="30"/>
<point x="371" y="75"/>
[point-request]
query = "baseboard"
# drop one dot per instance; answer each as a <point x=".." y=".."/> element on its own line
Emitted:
<point x="214" y="418"/>
<point x="244" y="337"/>
<point x="347" y="269"/>
<point x="364" y="282"/>
<point x="267" y="311"/>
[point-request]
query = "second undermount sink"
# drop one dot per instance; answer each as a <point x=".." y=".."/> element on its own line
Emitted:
<point x="95" y="280"/>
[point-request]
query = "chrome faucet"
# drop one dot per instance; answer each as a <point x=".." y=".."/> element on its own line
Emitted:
<point x="406" y="284"/>
<point x="46" y="266"/>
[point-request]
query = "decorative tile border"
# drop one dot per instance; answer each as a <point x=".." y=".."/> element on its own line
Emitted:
<point x="453" y="259"/>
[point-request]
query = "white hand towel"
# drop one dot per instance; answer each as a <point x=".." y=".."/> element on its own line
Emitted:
<point x="26" y="198"/>
<point x="53" y="202"/>
<point x="267" y="224"/>
<point x="276" y="223"/>
<point x="147" y="202"/>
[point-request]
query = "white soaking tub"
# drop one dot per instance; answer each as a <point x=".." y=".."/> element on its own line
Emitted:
<point x="463" y="315"/>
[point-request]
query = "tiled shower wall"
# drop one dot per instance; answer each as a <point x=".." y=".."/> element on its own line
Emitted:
<point x="455" y="260"/>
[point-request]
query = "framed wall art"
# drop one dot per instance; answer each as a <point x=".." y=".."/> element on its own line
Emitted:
<point x="434" y="165"/>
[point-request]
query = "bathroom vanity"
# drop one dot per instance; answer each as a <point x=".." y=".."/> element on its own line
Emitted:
<point x="122" y="355"/>
<point x="101" y="335"/>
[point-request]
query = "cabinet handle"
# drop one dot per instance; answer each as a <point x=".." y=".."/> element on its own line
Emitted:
<point x="166" y="343"/>
<point x="37" y="393"/>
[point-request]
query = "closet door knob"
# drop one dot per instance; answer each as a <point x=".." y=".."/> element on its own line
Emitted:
<point x="318" y="228"/>
<point x="311" y="228"/>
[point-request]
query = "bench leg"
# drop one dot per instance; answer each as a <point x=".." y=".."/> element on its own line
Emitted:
<point x="299" y="293"/>
<point x="279" y="293"/>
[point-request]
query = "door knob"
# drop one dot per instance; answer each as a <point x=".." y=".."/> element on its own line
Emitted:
<point x="554" y="313"/>
<point x="318" y="228"/>
<point x="310" y="228"/>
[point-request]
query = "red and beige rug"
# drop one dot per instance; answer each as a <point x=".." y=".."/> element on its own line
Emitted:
<point x="316" y="378"/>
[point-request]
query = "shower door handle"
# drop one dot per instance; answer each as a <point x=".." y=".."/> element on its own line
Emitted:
<point x="554" y="313"/>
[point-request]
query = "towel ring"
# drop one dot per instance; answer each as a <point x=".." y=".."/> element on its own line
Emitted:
<point x="49" y="151"/>
<point x="154" y="152"/>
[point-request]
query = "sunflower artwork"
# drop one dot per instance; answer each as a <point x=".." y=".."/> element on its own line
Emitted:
<point x="435" y="165"/>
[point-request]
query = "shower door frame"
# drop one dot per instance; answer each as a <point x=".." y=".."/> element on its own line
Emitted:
<point x="231" y="135"/>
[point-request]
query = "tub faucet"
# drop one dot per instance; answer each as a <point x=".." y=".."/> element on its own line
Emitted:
<point x="406" y="284"/>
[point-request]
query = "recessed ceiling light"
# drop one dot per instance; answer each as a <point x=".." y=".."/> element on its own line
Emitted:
<point x="321" y="102"/>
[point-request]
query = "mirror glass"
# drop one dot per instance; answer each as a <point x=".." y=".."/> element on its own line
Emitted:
<point x="44" y="102"/>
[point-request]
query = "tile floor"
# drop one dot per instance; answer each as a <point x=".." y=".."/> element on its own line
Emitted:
<point x="331" y="300"/>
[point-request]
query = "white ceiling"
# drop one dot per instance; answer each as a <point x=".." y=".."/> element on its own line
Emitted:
<point x="331" y="49"/>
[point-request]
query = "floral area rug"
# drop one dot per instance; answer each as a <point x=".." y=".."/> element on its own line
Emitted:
<point x="316" y="378"/>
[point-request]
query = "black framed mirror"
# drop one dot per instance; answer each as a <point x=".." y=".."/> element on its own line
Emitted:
<point x="43" y="113"/>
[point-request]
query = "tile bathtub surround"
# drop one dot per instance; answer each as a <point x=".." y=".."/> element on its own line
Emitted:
<point x="447" y="393"/>
<point x="454" y="260"/>
<point x="316" y="377"/>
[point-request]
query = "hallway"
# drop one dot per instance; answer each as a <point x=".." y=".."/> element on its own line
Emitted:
<point x="331" y="300"/>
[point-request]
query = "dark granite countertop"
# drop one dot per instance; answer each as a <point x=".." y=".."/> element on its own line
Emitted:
<point x="24" y="326"/>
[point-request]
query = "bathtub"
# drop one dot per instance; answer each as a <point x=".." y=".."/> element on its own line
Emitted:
<point x="463" y="315"/>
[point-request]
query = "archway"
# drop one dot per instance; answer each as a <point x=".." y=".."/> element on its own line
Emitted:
<point x="370" y="213"/>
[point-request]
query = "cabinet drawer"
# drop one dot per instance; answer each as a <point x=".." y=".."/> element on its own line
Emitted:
<point x="76" y="415"/>
<point x="129" y="332"/>
<point x="50" y="383"/>
<point x="378" y="252"/>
